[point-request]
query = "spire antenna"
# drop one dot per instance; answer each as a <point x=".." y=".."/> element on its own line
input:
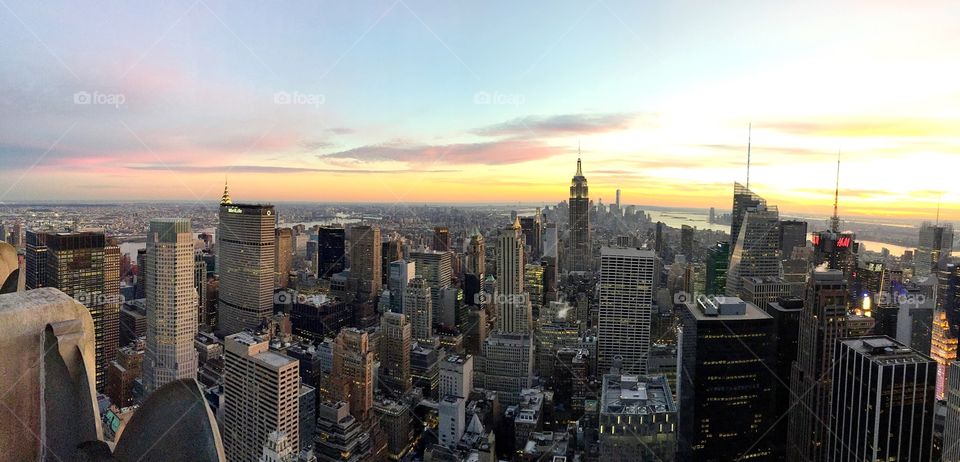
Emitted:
<point x="835" y="220"/>
<point x="749" y="138"/>
<point x="939" y="199"/>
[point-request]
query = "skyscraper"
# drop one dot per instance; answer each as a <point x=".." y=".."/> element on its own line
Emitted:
<point x="581" y="247"/>
<point x="331" y="247"/>
<point x="638" y="419"/>
<point x="823" y="321"/>
<point x="509" y="365"/>
<point x="261" y="392"/>
<point x="401" y="272"/>
<point x="757" y="249"/>
<point x="686" y="241"/>
<point x="36" y="259"/>
<point x="786" y="321"/>
<point x="365" y="265"/>
<point x="418" y="308"/>
<point x="513" y="305"/>
<point x="532" y="230"/>
<point x="171" y="304"/>
<point x="946" y="324"/>
<point x="626" y="305"/>
<point x="934" y="248"/>
<point x="743" y="199"/>
<point x="395" y="340"/>
<point x="718" y="261"/>
<point x="725" y="381"/>
<point x="86" y="267"/>
<point x="353" y="372"/>
<point x="436" y="268"/>
<point x="283" y="261"/>
<point x="245" y="257"/>
<point x="793" y="234"/>
<point x="476" y="255"/>
<point x="951" y="430"/>
<point x="441" y="239"/>
<point x="882" y="402"/>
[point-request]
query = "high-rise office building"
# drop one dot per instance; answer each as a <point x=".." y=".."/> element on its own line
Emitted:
<point x="686" y="241"/>
<point x="513" y="304"/>
<point x="456" y="375"/>
<point x="476" y="254"/>
<point x="365" y="259"/>
<point x="418" y="308"/>
<point x="532" y="230"/>
<point x="626" y="305"/>
<point x="353" y="372"/>
<point x="85" y="266"/>
<point x="340" y="436"/>
<point x="935" y="247"/>
<point x="743" y="200"/>
<point x="823" y="321"/>
<point x="395" y="341"/>
<point x="436" y="268"/>
<point x="581" y="247"/>
<point x="331" y="248"/>
<point x="946" y="324"/>
<point x="171" y="304"/>
<point x="401" y="272"/>
<point x="261" y="393"/>
<point x="951" y="430"/>
<point x="726" y="380"/>
<point x="660" y="238"/>
<point x="551" y="241"/>
<point x="793" y="234"/>
<point x="441" y="239"/>
<point x="836" y="250"/>
<point x="283" y="260"/>
<point x="883" y="402"/>
<point x="638" y="419"/>
<point x="508" y="365"/>
<point x="245" y="257"/>
<point x="718" y="261"/>
<point x="786" y="324"/>
<point x="36" y="259"/>
<point x="757" y="248"/>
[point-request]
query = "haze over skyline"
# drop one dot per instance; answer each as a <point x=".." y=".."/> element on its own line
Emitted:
<point x="409" y="101"/>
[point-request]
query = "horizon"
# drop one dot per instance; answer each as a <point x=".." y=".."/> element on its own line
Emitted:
<point x="399" y="101"/>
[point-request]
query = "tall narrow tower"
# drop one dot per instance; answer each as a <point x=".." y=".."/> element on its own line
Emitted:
<point x="171" y="304"/>
<point x="581" y="250"/>
<point x="512" y="304"/>
<point x="245" y="257"/>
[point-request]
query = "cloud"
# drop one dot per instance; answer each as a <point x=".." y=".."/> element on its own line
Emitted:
<point x="866" y="126"/>
<point x="485" y="153"/>
<point x="270" y="169"/>
<point x="564" y="124"/>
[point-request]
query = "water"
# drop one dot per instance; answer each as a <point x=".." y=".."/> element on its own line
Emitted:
<point x="676" y="219"/>
<point x="874" y="246"/>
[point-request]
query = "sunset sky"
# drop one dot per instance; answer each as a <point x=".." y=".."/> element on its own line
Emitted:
<point x="426" y="101"/>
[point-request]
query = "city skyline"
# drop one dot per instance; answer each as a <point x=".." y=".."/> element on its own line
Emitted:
<point x="395" y="101"/>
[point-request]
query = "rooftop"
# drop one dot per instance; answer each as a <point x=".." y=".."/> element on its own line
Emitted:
<point x="637" y="395"/>
<point x="884" y="350"/>
<point x="725" y="309"/>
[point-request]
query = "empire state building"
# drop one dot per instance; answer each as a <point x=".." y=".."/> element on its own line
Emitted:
<point x="581" y="250"/>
